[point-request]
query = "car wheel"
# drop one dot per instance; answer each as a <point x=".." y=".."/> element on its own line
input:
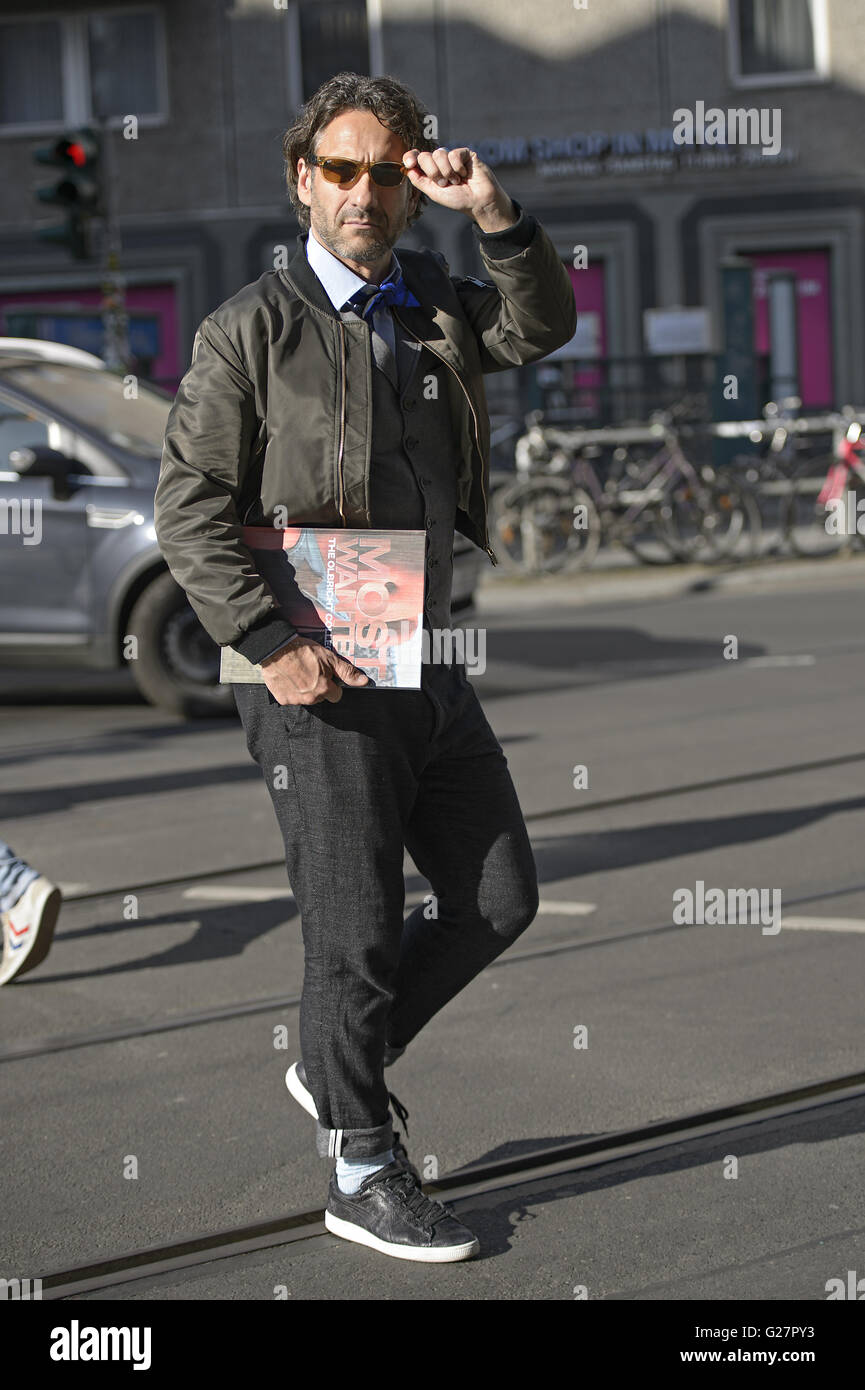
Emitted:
<point x="175" y="663"/>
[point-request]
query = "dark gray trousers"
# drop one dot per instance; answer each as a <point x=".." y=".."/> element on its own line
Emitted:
<point x="353" y="784"/>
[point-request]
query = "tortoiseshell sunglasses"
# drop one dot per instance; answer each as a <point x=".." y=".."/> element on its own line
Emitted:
<point x="348" y="171"/>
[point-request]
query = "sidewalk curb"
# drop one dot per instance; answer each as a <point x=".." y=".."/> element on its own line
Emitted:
<point x="500" y="593"/>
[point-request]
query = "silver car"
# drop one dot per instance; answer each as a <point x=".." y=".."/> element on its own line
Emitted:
<point x="82" y="581"/>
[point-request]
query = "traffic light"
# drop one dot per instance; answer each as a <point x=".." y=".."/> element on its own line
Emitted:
<point x="78" y="189"/>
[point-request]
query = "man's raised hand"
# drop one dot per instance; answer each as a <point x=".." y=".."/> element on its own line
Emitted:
<point x="459" y="180"/>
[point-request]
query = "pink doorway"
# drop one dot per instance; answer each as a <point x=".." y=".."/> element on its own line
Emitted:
<point x="72" y="316"/>
<point x="792" y="292"/>
<point x="590" y="296"/>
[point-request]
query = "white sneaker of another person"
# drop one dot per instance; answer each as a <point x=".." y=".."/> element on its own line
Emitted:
<point x="28" y="929"/>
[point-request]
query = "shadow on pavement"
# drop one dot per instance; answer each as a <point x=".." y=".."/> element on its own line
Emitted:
<point x="496" y="1224"/>
<point x="221" y="933"/>
<point x="570" y="856"/>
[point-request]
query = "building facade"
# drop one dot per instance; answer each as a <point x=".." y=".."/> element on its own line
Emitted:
<point x="657" y="141"/>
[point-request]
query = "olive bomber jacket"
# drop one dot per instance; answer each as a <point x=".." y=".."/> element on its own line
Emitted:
<point x="261" y="418"/>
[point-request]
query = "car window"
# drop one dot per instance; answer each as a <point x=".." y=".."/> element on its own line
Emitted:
<point x="98" y="401"/>
<point x="19" y="427"/>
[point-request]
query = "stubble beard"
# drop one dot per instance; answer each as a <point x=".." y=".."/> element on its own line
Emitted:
<point x="352" y="244"/>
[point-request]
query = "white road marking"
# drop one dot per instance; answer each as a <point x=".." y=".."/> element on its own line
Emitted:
<point x="224" y="893"/>
<point x="779" y="661"/>
<point x="217" y="893"/>
<point x="566" y="909"/>
<point x="824" y="923"/>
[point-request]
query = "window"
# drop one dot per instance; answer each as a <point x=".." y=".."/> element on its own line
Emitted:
<point x="776" y="41"/>
<point x="123" y="62"/>
<point x="333" y="38"/>
<point x="95" y="400"/>
<point x="18" y="428"/>
<point x="60" y="72"/>
<point x="31" y="75"/>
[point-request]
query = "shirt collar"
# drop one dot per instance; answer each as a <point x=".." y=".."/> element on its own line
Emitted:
<point x="339" y="282"/>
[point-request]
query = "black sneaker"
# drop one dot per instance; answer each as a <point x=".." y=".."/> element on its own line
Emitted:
<point x="295" y="1080"/>
<point x="390" y="1213"/>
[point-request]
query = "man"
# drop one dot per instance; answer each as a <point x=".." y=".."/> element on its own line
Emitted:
<point x="347" y="390"/>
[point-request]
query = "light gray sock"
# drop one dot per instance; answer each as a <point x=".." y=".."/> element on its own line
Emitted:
<point x="350" y="1172"/>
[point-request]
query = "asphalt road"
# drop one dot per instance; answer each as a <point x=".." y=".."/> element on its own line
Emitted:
<point x="737" y="773"/>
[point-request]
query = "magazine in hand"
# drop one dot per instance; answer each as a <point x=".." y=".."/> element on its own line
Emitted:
<point x="359" y="593"/>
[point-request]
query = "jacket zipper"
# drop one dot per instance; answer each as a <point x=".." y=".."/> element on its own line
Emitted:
<point x="339" y="465"/>
<point x="487" y="547"/>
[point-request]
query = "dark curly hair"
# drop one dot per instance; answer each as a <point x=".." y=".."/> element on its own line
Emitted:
<point x="390" y="101"/>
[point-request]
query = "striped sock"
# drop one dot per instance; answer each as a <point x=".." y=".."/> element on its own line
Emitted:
<point x="350" y="1172"/>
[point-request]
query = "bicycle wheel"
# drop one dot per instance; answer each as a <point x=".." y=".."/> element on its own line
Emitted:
<point x="772" y="488"/>
<point x="648" y="538"/>
<point x="811" y="527"/>
<point x="544" y="525"/>
<point x="505" y="524"/>
<point x="737" y="519"/>
<point x="586" y="529"/>
<point x="686" y="519"/>
<point x="638" y="526"/>
<point x="709" y="520"/>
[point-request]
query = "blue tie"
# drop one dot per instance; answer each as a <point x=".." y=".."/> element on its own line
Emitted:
<point x="365" y="301"/>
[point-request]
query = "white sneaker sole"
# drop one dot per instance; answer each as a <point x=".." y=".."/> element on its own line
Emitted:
<point x="299" y="1091"/>
<point x="443" y="1255"/>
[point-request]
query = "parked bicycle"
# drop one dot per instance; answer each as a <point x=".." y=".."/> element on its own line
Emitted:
<point x="635" y="487"/>
<point x="797" y="483"/>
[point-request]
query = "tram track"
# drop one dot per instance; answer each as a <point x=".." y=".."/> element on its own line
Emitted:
<point x="556" y="1161"/>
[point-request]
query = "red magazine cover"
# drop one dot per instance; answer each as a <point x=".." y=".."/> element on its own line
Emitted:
<point x="358" y="592"/>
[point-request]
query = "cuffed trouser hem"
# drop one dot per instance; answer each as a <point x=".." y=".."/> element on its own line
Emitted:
<point x="353" y="1143"/>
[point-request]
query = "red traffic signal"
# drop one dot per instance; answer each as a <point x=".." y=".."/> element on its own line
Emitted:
<point x="79" y="150"/>
<point x="75" y="151"/>
<point x="78" y="189"/>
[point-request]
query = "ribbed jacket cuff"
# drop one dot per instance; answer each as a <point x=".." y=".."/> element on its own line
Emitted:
<point x="264" y="638"/>
<point x="510" y="240"/>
